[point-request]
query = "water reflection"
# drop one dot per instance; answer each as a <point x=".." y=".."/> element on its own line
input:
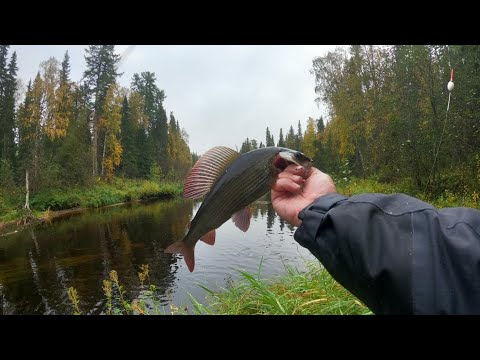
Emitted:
<point x="38" y="265"/>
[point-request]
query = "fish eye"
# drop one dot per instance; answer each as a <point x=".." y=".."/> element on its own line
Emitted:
<point x="301" y="156"/>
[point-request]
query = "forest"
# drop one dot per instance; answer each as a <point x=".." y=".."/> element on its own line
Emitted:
<point x="386" y="120"/>
<point x="60" y="133"/>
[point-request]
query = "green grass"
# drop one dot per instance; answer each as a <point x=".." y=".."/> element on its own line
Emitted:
<point x="447" y="198"/>
<point x="294" y="293"/>
<point x="101" y="194"/>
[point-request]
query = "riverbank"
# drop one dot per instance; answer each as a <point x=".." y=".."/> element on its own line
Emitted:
<point x="313" y="292"/>
<point x="448" y="198"/>
<point x="52" y="203"/>
<point x="292" y="292"/>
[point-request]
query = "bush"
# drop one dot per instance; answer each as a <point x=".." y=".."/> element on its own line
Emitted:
<point x="55" y="200"/>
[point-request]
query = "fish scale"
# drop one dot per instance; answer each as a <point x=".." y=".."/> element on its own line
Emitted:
<point x="242" y="179"/>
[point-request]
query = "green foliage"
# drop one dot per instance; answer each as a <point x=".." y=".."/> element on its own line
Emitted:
<point x="247" y="146"/>
<point x="463" y="197"/>
<point x="6" y="176"/>
<point x="117" y="191"/>
<point x="55" y="200"/>
<point x="73" y="297"/>
<point x="269" y="140"/>
<point x="74" y="155"/>
<point x="195" y="158"/>
<point x="8" y="88"/>
<point x="155" y="173"/>
<point x="129" y="129"/>
<point x="281" y="140"/>
<point x="387" y="108"/>
<point x="51" y="176"/>
<point x="294" y="293"/>
<point x="117" y="300"/>
<point x="178" y="153"/>
<point x="69" y="133"/>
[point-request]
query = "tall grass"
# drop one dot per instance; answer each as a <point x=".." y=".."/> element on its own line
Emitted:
<point x="294" y="293"/>
<point x="462" y="197"/>
<point x="101" y="194"/>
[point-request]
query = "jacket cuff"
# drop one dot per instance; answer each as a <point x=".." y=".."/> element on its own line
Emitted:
<point x="322" y="204"/>
<point x="312" y="216"/>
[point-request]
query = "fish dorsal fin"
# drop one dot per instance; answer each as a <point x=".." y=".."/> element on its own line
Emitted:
<point x="241" y="218"/>
<point x="207" y="170"/>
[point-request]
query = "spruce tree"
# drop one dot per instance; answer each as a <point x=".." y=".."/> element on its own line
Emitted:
<point x="101" y="73"/>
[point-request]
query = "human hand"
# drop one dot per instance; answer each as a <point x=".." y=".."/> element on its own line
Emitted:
<point x="295" y="188"/>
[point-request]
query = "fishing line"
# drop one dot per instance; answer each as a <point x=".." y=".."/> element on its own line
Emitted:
<point x="450" y="88"/>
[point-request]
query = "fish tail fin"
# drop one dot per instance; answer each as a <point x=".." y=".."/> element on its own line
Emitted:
<point x="188" y="253"/>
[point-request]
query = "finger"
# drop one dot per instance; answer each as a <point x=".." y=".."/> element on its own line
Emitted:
<point x="295" y="169"/>
<point x="285" y="185"/>
<point x="294" y="178"/>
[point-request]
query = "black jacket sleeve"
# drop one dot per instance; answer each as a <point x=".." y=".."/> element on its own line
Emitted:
<point x="397" y="254"/>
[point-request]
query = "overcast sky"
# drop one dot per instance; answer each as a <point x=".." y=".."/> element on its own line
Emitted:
<point x="220" y="94"/>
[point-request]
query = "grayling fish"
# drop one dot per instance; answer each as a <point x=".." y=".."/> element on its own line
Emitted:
<point x="230" y="182"/>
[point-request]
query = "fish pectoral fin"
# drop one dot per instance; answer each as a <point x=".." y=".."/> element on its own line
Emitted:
<point x="209" y="238"/>
<point x="241" y="218"/>
<point x="188" y="253"/>
<point x="207" y="170"/>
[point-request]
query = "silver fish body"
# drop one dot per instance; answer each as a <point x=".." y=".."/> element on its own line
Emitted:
<point x="247" y="178"/>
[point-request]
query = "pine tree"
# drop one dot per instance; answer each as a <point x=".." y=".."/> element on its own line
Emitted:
<point x="290" y="140"/>
<point x="281" y="141"/>
<point x="7" y="111"/>
<point x="173" y="123"/>
<point x="269" y="140"/>
<point x="299" y="137"/>
<point x="101" y="73"/>
<point x="159" y="136"/>
<point x="320" y="125"/>
<point x="157" y="123"/>
<point x="74" y="154"/>
<point x="319" y="159"/>
<point x="195" y="158"/>
<point x="65" y="72"/>
<point x="128" y="136"/>
<point x="178" y="152"/>
<point x="246" y="146"/>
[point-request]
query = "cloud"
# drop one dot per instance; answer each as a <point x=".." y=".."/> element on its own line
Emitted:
<point x="219" y="94"/>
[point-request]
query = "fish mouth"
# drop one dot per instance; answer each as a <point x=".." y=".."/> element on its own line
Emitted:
<point x="289" y="157"/>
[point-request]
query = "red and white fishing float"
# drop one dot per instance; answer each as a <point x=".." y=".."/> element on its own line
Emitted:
<point x="451" y="85"/>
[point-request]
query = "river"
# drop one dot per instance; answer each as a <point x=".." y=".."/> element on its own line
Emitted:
<point x="39" y="264"/>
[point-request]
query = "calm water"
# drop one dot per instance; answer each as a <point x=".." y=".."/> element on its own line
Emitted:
<point x="39" y="264"/>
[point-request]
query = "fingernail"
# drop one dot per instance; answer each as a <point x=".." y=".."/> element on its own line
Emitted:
<point x="298" y="168"/>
